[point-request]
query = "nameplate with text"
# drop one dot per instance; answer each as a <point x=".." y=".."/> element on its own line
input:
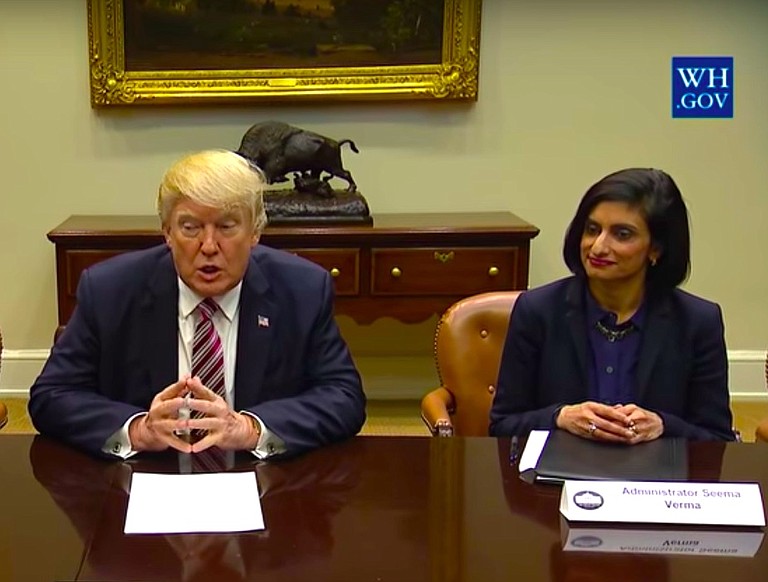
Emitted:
<point x="742" y="544"/>
<point x="738" y="504"/>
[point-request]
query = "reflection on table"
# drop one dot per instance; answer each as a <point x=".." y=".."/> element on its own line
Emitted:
<point x="373" y="508"/>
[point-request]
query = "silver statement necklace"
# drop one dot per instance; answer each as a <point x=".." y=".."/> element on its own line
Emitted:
<point x="614" y="335"/>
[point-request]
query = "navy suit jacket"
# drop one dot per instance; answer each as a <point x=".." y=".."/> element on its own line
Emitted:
<point x="121" y="347"/>
<point x="682" y="371"/>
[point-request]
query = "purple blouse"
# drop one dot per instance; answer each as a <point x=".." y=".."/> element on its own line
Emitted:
<point x="613" y="363"/>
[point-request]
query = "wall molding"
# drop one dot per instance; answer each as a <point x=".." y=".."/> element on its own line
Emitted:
<point x="19" y="368"/>
<point x="388" y="378"/>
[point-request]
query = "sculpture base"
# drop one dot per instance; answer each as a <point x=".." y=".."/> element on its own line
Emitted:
<point x="290" y="207"/>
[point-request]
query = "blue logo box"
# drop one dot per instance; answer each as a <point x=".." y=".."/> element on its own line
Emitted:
<point x="702" y="87"/>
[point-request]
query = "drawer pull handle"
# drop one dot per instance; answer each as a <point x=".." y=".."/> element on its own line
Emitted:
<point x="493" y="271"/>
<point x="395" y="272"/>
<point x="335" y="272"/>
<point x="443" y="257"/>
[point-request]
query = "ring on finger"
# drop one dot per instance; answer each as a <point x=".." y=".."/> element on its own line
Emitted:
<point x="592" y="428"/>
<point x="633" y="428"/>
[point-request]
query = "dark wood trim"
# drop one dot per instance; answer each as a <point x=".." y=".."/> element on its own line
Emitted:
<point x="83" y="240"/>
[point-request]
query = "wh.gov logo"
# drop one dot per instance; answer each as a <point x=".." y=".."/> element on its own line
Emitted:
<point x="702" y="86"/>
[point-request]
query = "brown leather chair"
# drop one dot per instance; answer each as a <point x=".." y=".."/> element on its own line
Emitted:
<point x="761" y="433"/>
<point x="468" y="343"/>
<point x="3" y="408"/>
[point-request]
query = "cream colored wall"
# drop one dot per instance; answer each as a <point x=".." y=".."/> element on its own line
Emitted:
<point x="569" y="91"/>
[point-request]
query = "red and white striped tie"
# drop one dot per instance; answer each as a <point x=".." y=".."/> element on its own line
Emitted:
<point x="208" y="365"/>
<point x="207" y="351"/>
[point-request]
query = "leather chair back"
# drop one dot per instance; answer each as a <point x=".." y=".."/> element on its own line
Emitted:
<point x="761" y="434"/>
<point x="468" y="343"/>
<point x="3" y="408"/>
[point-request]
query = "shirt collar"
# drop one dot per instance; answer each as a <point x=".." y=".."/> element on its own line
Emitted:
<point x="596" y="313"/>
<point x="228" y="302"/>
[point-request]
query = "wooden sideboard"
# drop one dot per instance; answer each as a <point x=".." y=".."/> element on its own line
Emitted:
<point x="405" y="266"/>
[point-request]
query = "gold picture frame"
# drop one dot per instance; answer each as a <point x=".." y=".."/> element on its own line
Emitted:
<point x="453" y="75"/>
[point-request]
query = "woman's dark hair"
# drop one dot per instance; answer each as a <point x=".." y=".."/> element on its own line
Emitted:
<point x="657" y="197"/>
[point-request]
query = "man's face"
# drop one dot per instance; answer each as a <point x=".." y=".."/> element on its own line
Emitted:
<point x="210" y="247"/>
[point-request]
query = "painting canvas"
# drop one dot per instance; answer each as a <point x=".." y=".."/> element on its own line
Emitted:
<point x="159" y="51"/>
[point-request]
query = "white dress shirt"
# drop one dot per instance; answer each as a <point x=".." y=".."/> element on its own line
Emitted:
<point x="226" y="322"/>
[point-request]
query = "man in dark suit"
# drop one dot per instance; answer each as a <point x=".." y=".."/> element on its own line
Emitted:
<point x="131" y="362"/>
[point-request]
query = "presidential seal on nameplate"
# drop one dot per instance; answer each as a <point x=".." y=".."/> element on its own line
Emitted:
<point x="693" y="503"/>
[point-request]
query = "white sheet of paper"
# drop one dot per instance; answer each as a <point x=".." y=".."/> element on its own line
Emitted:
<point x="533" y="448"/>
<point x="190" y="503"/>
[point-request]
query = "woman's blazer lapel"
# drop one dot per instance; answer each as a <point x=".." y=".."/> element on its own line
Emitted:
<point x="658" y="335"/>
<point x="574" y="316"/>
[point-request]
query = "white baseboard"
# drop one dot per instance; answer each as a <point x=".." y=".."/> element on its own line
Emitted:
<point x="19" y="370"/>
<point x="746" y="371"/>
<point x="389" y="378"/>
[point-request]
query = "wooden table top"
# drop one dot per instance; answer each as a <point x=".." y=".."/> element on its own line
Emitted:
<point x="373" y="508"/>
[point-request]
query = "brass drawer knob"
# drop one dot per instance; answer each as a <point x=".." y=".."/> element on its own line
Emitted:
<point x="335" y="272"/>
<point x="396" y="272"/>
<point x="493" y="271"/>
<point x="491" y="389"/>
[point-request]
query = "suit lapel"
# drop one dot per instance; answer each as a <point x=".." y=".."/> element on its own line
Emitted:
<point x="159" y="325"/>
<point x="658" y="328"/>
<point x="258" y="316"/>
<point x="577" y="326"/>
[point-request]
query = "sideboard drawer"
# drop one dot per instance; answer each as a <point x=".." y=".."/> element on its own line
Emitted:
<point x="443" y="270"/>
<point x="342" y="264"/>
<point x="441" y="257"/>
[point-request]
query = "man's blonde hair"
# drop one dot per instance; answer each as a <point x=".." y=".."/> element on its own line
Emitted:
<point x="217" y="178"/>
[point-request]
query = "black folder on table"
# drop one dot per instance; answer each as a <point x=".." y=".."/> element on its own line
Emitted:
<point x="566" y="456"/>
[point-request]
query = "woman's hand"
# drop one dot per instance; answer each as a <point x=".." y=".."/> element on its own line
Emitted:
<point x="645" y="425"/>
<point x="597" y="421"/>
<point x="620" y="423"/>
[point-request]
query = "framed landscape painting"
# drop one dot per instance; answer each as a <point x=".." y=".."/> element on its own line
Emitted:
<point x="145" y="52"/>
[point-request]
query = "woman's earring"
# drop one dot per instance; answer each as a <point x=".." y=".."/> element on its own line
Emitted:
<point x="653" y="261"/>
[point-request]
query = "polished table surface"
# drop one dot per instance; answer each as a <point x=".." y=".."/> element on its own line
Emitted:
<point x="373" y="508"/>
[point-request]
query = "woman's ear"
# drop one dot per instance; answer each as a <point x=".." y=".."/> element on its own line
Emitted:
<point x="654" y="255"/>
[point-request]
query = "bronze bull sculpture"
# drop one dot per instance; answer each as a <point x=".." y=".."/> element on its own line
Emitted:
<point x="279" y="149"/>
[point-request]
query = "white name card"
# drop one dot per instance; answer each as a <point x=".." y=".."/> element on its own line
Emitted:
<point x="663" y="502"/>
<point x="742" y="544"/>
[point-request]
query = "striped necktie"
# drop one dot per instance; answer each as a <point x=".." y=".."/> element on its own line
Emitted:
<point x="207" y="351"/>
<point x="208" y="365"/>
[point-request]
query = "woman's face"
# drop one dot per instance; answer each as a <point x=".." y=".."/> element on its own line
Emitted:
<point x="616" y="244"/>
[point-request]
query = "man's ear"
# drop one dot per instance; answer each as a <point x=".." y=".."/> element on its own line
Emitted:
<point x="167" y="234"/>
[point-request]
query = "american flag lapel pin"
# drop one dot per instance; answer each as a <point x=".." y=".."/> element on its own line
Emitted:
<point x="263" y="321"/>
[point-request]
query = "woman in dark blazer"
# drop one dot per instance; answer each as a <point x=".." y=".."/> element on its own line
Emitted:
<point x="617" y="352"/>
